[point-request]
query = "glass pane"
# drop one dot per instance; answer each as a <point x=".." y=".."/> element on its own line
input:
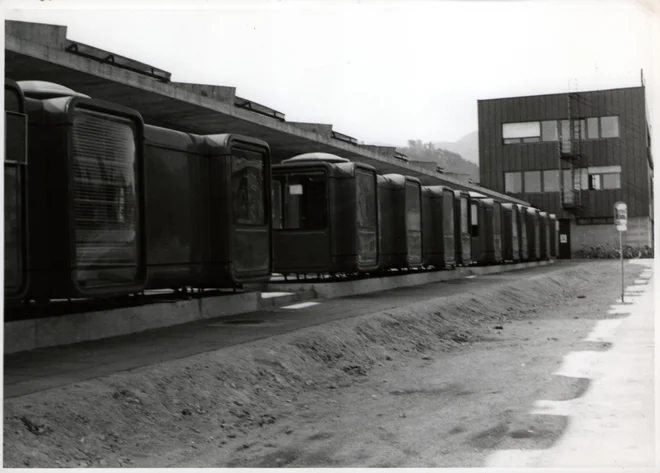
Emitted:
<point x="16" y="130"/>
<point x="511" y="141"/>
<point x="513" y="182"/>
<point x="550" y="181"/>
<point x="612" y="181"/>
<point x="277" y="204"/>
<point x="105" y="204"/>
<point x="549" y="130"/>
<point x="532" y="181"/>
<point x="464" y="215"/>
<point x="13" y="229"/>
<point x="413" y="215"/>
<point x="366" y="200"/>
<point x="247" y="187"/>
<point x="594" y="182"/>
<point x="305" y="210"/>
<point x="414" y="220"/>
<point x="609" y="127"/>
<point x="521" y="130"/>
<point x="592" y="128"/>
<point x="535" y="139"/>
<point x="475" y="220"/>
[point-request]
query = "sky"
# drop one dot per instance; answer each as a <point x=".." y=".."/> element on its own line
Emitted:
<point x="380" y="71"/>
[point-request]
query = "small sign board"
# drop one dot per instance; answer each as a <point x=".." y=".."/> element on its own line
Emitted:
<point x="296" y="189"/>
<point x="621" y="216"/>
<point x="563" y="238"/>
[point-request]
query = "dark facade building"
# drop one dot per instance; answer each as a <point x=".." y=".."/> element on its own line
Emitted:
<point x="574" y="155"/>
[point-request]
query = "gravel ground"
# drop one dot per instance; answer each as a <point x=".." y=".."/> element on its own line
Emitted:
<point x="438" y="383"/>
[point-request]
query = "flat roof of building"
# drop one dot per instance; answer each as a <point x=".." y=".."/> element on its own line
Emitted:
<point x="561" y="94"/>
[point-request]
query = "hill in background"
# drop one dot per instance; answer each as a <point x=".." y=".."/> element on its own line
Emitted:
<point x="447" y="156"/>
<point x="467" y="147"/>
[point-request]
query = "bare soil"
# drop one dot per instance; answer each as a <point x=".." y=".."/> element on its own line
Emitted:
<point x="434" y="384"/>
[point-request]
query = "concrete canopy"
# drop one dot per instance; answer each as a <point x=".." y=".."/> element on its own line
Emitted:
<point x="42" y="52"/>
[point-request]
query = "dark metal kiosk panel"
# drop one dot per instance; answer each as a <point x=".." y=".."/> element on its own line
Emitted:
<point x="522" y="232"/>
<point x="533" y="234"/>
<point x="86" y="198"/>
<point x="510" y="240"/>
<point x="544" y="235"/>
<point x="399" y="200"/>
<point x="328" y="215"/>
<point x="477" y="230"/>
<point x="414" y="221"/>
<point x="16" y="254"/>
<point x="240" y="209"/>
<point x="554" y="236"/>
<point x="177" y="196"/>
<point x="462" y="228"/>
<point x="438" y="226"/>
<point x="497" y="231"/>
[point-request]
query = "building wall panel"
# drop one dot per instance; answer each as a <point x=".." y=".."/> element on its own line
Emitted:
<point x="628" y="150"/>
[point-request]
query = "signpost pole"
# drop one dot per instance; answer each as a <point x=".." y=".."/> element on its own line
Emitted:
<point x="621" y="222"/>
<point x="621" y="255"/>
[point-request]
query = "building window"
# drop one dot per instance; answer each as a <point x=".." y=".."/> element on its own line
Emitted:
<point x="612" y="180"/>
<point x="609" y="127"/>
<point x="551" y="181"/>
<point x="549" y="130"/>
<point x="604" y="178"/>
<point x="474" y="227"/>
<point x="592" y="128"/>
<point x="523" y="132"/>
<point x="513" y="182"/>
<point x="532" y="181"/>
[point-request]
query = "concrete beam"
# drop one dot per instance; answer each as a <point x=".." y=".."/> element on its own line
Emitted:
<point x="216" y="92"/>
<point x="318" y="128"/>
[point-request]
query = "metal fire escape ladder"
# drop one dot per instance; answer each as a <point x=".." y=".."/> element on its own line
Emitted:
<point x="570" y="157"/>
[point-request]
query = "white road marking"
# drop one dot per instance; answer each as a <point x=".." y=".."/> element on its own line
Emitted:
<point x="470" y="277"/>
<point x="604" y="331"/>
<point x="302" y="305"/>
<point x="268" y="295"/>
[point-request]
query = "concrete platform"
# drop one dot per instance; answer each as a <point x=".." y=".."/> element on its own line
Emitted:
<point x="24" y="335"/>
<point x="31" y="334"/>
<point x="330" y="290"/>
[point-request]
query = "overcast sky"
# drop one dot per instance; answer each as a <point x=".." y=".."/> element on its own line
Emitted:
<point x="379" y="71"/>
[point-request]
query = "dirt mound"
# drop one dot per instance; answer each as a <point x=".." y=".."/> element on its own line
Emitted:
<point x="129" y="418"/>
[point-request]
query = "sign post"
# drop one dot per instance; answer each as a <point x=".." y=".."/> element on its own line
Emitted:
<point x="621" y="222"/>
